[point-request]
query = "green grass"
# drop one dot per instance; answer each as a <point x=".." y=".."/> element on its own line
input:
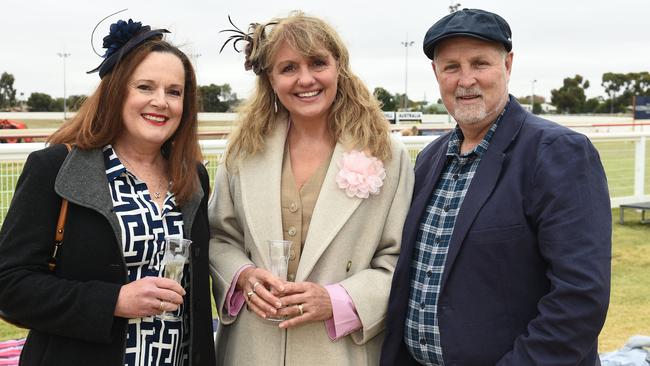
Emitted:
<point x="630" y="298"/>
<point x="42" y="123"/>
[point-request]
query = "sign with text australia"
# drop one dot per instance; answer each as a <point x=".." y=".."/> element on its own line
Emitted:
<point x="409" y="116"/>
<point x="642" y="107"/>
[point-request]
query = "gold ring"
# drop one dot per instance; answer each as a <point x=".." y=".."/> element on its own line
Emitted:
<point x="300" y="309"/>
<point x="162" y="306"/>
<point x="255" y="285"/>
<point x="250" y="294"/>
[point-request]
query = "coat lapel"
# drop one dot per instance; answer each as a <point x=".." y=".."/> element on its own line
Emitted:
<point x="190" y="208"/>
<point x="261" y="177"/>
<point x="333" y="209"/>
<point x="483" y="183"/>
<point x="82" y="181"/>
<point x="427" y="172"/>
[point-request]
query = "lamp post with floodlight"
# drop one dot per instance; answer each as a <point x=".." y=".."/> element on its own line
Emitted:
<point x="406" y="45"/>
<point x="64" y="55"/>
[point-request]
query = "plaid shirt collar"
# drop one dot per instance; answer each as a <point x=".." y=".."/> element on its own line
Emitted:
<point x="457" y="137"/>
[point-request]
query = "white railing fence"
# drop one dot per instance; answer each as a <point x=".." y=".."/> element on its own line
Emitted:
<point x="625" y="157"/>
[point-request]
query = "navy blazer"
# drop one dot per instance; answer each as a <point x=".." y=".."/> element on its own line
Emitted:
<point x="527" y="276"/>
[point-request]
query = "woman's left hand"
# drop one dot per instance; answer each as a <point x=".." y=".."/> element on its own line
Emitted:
<point x="304" y="302"/>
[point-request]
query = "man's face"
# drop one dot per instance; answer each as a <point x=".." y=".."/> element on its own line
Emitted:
<point x="473" y="77"/>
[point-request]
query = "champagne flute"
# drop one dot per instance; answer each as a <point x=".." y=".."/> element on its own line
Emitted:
<point x="279" y="255"/>
<point x="177" y="251"/>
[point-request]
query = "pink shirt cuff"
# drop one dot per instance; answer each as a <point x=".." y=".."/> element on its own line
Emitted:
<point x="235" y="298"/>
<point x="345" y="319"/>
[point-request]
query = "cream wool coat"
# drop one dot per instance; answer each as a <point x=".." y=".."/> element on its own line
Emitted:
<point x="351" y="241"/>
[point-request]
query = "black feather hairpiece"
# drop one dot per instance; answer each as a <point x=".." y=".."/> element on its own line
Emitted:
<point x="237" y="35"/>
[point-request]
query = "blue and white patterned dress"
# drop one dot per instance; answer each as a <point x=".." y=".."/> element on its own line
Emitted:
<point x="149" y="341"/>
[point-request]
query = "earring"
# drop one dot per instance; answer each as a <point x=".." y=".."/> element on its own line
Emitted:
<point x="275" y="102"/>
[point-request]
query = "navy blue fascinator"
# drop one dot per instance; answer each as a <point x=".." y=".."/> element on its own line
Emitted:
<point x="123" y="37"/>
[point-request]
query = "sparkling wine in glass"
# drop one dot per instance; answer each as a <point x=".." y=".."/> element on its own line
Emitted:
<point x="279" y="255"/>
<point x="177" y="253"/>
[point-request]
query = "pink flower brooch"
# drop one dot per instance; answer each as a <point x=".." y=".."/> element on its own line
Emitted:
<point x="360" y="175"/>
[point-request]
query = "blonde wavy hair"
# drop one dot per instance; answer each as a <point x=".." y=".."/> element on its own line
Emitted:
<point x="355" y="116"/>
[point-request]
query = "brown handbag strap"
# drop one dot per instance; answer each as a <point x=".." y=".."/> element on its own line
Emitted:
<point x="60" y="228"/>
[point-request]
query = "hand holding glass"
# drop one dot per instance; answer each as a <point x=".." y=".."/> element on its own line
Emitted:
<point x="177" y="253"/>
<point x="279" y="256"/>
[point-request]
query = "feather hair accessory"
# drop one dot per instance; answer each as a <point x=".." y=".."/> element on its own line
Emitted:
<point x="237" y="35"/>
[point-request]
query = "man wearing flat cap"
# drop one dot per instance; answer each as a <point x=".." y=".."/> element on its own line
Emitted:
<point x="506" y="249"/>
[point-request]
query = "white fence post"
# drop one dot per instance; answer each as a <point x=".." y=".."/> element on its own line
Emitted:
<point x="639" y="168"/>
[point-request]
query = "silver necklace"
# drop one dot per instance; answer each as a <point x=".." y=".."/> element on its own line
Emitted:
<point x="156" y="195"/>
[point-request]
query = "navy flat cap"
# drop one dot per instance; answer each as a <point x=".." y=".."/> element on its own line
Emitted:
<point x="471" y="23"/>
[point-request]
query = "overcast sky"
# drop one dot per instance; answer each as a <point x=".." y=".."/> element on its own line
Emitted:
<point x="552" y="39"/>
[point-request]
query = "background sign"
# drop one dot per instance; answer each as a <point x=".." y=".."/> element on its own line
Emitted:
<point x="642" y="107"/>
<point x="409" y="116"/>
<point x="390" y="116"/>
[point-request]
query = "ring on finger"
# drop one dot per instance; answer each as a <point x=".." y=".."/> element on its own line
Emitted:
<point x="250" y="294"/>
<point x="255" y="285"/>
<point x="300" y="309"/>
<point x="161" y="307"/>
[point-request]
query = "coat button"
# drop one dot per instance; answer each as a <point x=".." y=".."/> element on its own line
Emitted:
<point x="292" y="231"/>
<point x="423" y="341"/>
<point x="293" y="207"/>
<point x="291" y="277"/>
<point x="292" y="254"/>
<point x="348" y="266"/>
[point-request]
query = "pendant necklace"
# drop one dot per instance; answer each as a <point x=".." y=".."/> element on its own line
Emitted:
<point x="156" y="195"/>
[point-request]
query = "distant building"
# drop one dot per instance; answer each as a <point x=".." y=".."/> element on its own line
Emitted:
<point x="546" y="108"/>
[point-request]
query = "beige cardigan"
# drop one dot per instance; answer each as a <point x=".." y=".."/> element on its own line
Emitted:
<point x="351" y="241"/>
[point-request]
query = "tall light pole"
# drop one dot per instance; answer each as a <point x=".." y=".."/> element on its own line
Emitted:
<point x="532" y="96"/>
<point x="406" y="45"/>
<point x="64" y="55"/>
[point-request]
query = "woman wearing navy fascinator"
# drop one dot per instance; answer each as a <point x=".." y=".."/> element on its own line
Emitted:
<point x="131" y="178"/>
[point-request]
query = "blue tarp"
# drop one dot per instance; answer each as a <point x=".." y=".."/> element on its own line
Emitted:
<point x="636" y="352"/>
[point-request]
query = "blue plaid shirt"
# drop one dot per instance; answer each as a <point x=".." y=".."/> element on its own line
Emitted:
<point x="421" y="332"/>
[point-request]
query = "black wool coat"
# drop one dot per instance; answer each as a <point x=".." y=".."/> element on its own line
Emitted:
<point x="70" y="312"/>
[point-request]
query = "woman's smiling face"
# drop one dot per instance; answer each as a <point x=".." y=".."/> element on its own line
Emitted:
<point x="306" y="86"/>
<point x="154" y="101"/>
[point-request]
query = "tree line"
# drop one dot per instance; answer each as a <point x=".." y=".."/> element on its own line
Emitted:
<point x="569" y="98"/>
<point x="212" y="98"/>
<point x="620" y="89"/>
